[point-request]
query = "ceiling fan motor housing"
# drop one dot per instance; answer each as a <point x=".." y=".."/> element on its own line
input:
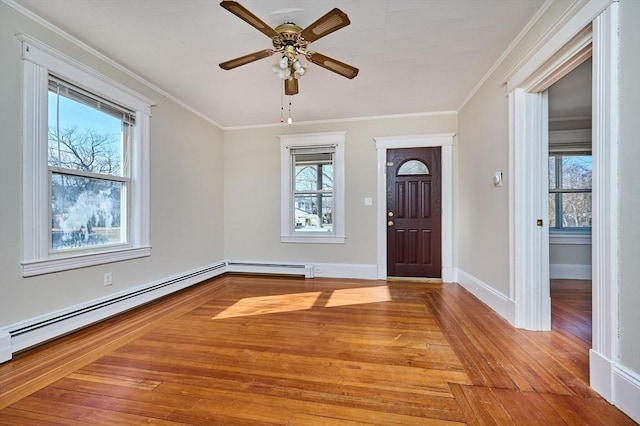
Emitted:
<point x="289" y="35"/>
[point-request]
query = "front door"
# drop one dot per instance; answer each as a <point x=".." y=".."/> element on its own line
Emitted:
<point x="414" y="230"/>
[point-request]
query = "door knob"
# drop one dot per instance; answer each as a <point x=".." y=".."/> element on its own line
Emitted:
<point x="390" y="223"/>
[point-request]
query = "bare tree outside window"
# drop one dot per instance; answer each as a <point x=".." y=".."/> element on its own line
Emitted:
<point x="313" y="192"/>
<point x="570" y="180"/>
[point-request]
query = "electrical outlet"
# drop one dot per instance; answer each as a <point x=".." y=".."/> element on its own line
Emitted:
<point x="108" y="278"/>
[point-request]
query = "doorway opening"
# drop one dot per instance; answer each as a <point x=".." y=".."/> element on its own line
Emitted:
<point x="595" y="31"/>
<point x="570" y="206"/>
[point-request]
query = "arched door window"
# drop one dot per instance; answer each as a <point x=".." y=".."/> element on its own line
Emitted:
<point x="413" y="167"/>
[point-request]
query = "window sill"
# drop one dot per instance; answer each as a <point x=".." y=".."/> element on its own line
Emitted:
<point x="47" y="266"/>
<point x="569" y="238"/>
<point x="312" y="239"/>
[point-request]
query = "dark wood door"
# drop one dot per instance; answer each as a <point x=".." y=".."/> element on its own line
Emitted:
<point x="414" y="230"/>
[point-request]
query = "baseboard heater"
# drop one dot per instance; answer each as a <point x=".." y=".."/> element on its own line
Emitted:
<point x="271" y="268"/>
<point x="40" y="330"/>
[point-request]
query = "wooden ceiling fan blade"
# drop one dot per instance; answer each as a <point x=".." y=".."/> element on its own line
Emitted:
<point x="330" y="22"/>
<point x="251" y="19"/>
<point x="291" y="86"/>
<point x="246" y="59"/>
<point x="331" y="64"/>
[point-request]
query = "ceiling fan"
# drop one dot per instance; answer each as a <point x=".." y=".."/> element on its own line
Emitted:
<point x="290" y="40"/>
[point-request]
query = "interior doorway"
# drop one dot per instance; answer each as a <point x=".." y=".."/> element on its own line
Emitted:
<point x="594" y="33"/>
<point x="570" y="206"/>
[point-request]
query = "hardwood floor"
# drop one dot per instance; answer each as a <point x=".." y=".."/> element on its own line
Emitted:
<point x="273" y="350"/>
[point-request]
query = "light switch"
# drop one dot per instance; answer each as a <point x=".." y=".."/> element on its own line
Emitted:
<point x="368" y="201"/>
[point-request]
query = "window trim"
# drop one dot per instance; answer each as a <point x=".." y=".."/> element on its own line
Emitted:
<point x="287" y="235"/>
<point x="39" y="60"/>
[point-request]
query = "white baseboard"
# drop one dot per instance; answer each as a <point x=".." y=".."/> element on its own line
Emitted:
<point x="569" y="272"/>
<point x="346" y="270"/>
<point x="40" y="329"/>
<point x="600" y="373"/>
<point x="615" y="383"/>
<point x="449" y="275"/>
<point x="5" y="346"/>
<point x="497" y="301"/>
<point x="308" y="270"/>
<point x="626" y="392"/>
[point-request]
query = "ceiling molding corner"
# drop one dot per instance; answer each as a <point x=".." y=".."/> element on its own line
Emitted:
<point x="113" y="63"/>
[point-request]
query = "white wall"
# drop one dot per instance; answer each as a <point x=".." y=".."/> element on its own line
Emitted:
<point x="252" y="189"/>
<point x="186" y="191"/>
<point x="629" y="247"/>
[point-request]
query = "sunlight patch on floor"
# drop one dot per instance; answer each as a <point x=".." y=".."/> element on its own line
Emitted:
<point x="270" y="304"/>
<point x="358" y="296"/>
<point x="301" y="301"/>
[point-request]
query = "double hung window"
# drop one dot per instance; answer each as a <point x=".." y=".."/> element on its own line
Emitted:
<point x="85" y="165"/>
<point x="312" y="185"/>
<point x="313" y="189"/>
<point x="89" y="173"/>
<point x="570" y="192"/>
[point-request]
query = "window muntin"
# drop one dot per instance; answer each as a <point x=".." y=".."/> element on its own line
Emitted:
<point x="88" y="140"/>
<point x="570" y="176"/>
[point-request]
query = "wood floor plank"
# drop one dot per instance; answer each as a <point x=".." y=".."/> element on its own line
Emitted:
<point x="274" y="350"/>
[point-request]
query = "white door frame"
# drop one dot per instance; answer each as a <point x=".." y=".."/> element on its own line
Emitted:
<point x="445" y="141"/>
<point x="595" y="24"/>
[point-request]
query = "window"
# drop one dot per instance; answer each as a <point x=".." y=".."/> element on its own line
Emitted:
<point x="413" y="167"/>
<point x="88" y="142"/>
<point x="570" y="192"/>
<point x="312" y="188"/>
<point x="86" y="162"/>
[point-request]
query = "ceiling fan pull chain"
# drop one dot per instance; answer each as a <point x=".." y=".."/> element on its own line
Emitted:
<point x="281" y="103"/>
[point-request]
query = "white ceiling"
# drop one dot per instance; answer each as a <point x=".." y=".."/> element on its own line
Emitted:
<point x="570" y="97"/>
<point x="414" y="56"/>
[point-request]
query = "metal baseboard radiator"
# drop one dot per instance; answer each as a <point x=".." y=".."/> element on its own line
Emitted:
<point x="271" y="268"/>
<point x="39" y="330"/>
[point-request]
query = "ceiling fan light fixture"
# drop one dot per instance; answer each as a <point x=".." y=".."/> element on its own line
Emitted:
<point x="284" y="62"/>
<point x="283" y="74"/>
<point x="298" y="69"/>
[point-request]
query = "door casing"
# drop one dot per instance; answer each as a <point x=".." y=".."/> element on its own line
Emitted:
<point x="445" y="141"/>
<point x="595" y="24"/>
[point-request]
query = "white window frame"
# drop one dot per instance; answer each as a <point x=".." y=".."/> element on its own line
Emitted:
<point x="287" y="233"/>
<point x="39" y="61"/>
<point x="567" y="236"/>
